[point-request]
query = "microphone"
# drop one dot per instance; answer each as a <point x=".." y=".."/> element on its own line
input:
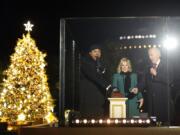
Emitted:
<point x="100" y="68"/>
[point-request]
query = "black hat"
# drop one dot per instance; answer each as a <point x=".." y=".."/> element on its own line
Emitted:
<point x="94" y="46"/>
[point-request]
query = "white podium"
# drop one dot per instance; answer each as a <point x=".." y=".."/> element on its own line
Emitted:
<point x="117" y="107"/>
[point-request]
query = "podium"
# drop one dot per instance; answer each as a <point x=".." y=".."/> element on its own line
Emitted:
<point x="117" y="108"/>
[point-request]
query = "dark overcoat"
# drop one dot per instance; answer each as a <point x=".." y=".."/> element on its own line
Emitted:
<point x="158" y="93"/>
<point x="92" y="89"/>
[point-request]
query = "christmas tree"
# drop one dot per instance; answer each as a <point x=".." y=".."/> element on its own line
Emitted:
<point x="25" y="95"/>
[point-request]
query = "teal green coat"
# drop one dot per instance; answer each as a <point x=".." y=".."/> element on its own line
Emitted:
<point x="132" y="105"/>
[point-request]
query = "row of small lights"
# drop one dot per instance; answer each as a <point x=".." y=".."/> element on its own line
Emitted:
<point x="139" y="46"/>
<point x="137" y="37"/>
<point x="111" y="121"/>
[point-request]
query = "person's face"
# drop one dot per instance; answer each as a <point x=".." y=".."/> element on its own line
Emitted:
<point x="124" y="67"/>
<point x="96" y="53"/>
<point x="154" y="56"/>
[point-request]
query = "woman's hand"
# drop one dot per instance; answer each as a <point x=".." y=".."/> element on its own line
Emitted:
<point x="141" y="102"/>
<point x="134" y="90"/>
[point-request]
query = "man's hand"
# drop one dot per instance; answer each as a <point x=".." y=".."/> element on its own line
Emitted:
<point x="153" y="71"/>
<point x="111" y="89"/>
<point x="134" y="90"/>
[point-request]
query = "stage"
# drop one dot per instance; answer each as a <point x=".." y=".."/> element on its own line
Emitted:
<point x="101" y="131"/>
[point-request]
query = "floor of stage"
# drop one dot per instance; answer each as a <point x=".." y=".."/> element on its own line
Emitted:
<point x="101" y="131"/>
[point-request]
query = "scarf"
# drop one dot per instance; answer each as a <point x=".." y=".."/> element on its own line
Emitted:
<point x="127" y="84"/>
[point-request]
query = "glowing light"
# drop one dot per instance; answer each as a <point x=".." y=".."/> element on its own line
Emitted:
<point x="10" y="128"/>
<point x="28" y="26"/>
<point x="23" y="88"/>
<point x="116" y="121"/>
<point x="5" y="105"/>
<point x="92" y="121"/>
<point x="21" y="117"/>
<point x="108" y="121"/>
<point x="124" y="121"/>
<point x="148" y="121"/>
<point x="132" y="121"/>
<point x="154" y="36"/>
<point x="170" y="43"/>
<point x="120" y="38"/>
<point x="10" y="87"/>
<point x="128" y="37"/>
<point x="28" y="96"/>
<point x="100" y="121"/>
<point x="85" y="121"/>
<point x="150" y="36"/>
<point x="77" y="121"/>
<point x="50" y="118"/>
<point x="113" y="122"/>
<point x="140" y="121"/>
<point x="4" y="90"/>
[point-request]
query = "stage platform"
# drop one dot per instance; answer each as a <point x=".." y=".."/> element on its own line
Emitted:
<point x="101" y="131"/>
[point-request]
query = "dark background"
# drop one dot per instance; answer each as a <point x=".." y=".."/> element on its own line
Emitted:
<point x="46" y="15"/>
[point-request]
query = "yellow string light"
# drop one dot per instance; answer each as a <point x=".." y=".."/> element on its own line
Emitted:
<point x="26" y="84"/>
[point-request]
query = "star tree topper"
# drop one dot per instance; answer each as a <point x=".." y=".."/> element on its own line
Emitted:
<point x="28" y="26"/>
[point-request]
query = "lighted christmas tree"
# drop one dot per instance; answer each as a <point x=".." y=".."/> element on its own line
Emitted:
<point x="25" y="95"/>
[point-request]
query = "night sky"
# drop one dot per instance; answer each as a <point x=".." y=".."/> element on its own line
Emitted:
<point x="46" y="17"/>
<point x="47" y="14"/>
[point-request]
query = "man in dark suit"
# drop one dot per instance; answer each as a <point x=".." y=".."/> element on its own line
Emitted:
<point x="93" y="85"/>
<point x="157" y="80"/>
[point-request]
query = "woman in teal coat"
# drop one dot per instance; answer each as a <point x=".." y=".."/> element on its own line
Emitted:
<point x="126" y="81"/>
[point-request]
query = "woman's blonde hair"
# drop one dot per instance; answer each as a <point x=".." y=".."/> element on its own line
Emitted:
<point x="119" y="68"/>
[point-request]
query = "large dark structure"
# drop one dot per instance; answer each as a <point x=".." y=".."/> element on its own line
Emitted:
<point x="121" y="37"/>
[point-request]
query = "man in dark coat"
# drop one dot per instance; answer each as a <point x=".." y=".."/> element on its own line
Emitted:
<point x="93" y="85"/>
<point x="157" y="80"/>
